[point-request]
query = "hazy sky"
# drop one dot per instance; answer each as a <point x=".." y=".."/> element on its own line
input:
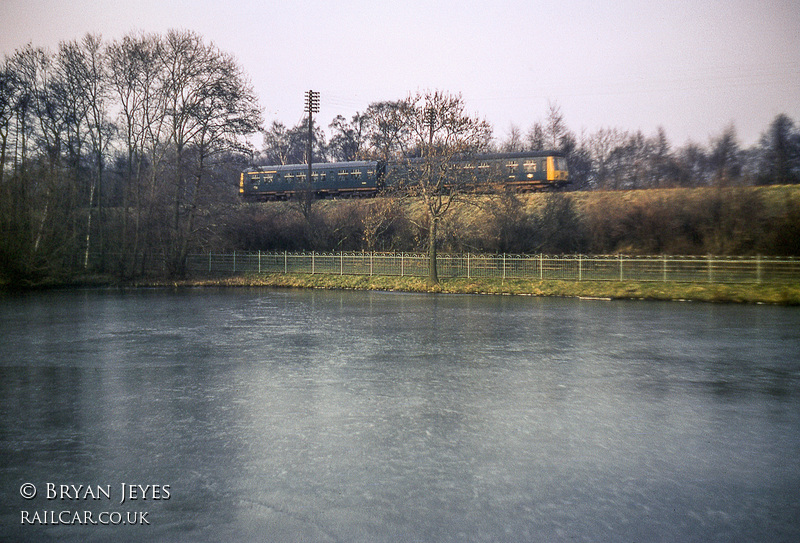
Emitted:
<point x="691" y="66"/>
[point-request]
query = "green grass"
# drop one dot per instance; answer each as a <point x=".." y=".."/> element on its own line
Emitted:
<point x="705" y="292"/>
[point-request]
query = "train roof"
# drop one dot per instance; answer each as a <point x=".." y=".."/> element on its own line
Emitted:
<point x="520" y="154"/>
<point x="314" y="166"/>
<point x="491" y="156"/>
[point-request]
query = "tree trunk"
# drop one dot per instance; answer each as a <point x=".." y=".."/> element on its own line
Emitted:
<point x="88" y="229"/>
<point x="433" y="274"/>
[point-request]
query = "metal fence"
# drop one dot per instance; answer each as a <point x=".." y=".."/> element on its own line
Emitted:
<point x="708" y="269"/>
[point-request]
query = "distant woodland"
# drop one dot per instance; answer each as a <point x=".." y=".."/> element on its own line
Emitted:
<point x="113" y="154"/>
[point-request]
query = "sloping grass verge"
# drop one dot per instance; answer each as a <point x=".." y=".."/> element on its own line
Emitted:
<point x="705" y="292"/>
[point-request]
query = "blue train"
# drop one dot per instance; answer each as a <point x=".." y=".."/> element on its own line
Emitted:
<point x="524" y="171"/>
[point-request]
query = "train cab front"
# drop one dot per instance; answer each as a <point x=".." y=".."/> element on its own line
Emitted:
<point x="557" y="170"/>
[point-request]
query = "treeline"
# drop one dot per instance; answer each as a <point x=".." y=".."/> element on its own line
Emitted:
<point x="114" y="153"/>
<point x="696" y="221"/>
<point x="608" y="159"/>
<point x="117" y="147"/>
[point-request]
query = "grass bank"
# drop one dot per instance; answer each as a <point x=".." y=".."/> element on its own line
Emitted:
<point x="704" y="292"/>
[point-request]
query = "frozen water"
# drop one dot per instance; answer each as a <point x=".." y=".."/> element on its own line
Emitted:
<point x="354" y="416"/>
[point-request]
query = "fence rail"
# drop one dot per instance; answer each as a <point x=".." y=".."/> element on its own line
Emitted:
<point x="710" y="269"/>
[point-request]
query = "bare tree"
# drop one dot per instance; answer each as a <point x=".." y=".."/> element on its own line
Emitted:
<point x="662" y="164"/>
<point x="637" y="154"/>
<point x="44" y="94"/>
<point x="536" y="138"/>
<point x="385" y="130"/>
<point x="284" y="145"/>
<point x="36" y="199"/>
<point x="8" y="93"/>
<point x="692" y="165"/>
<point x="559" y="226"/>
<point x="133" y="65"/>
<point x="603" y="145"/>
<point x="380" y="216"/>
<point x="724" y="158"/>
<point x="86" y="76"/>
<point x="441" y="136"/>
<point x="555" y="127"/>
<point x="514" y="142"/>
<point x="13" y="212"/>
<point x="210" y="106"/>
<point x="277" y="146"/>
<point x="347" y="139"/>
<point x="509" y="227"/>
<point x="780" y="152"/>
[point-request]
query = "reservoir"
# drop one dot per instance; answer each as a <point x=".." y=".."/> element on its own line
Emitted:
<point x="338" y="416"/>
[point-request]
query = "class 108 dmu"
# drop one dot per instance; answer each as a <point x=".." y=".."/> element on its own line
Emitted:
<point x="524" y="171"/>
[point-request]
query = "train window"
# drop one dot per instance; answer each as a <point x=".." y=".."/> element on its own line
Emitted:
<point x="531" y="166"/>
<point x="512" y="167"/>
<point x="483" y="165"/>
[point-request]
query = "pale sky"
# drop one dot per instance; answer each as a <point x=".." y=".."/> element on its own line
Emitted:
<point x="691" y="66"/>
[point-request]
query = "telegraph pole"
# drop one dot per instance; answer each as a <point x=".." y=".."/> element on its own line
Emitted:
<point x="312" y="106"/>
<point x="430" y="120"/>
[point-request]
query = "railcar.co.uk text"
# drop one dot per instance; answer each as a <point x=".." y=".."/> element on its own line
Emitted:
<point x="70" y="492"/>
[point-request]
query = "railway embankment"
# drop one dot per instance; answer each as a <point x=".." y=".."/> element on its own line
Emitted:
<point x="724" y="221"/>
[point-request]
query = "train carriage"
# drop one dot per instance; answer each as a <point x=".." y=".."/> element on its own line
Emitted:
<point x="328" y="179"/>
<point x="524" y="171"/>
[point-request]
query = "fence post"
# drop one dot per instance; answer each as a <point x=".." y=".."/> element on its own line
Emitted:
<point x="664" y="268"/>
<point x="341" y="263"/>
<point x="259" y="261"/>
<point x="234" y="262"/>
<point x="313" y="269"/>
<point x="710" y="273"/>
<point x="758" y="269"/>
<point x="504" y="266"/>
<point x="402" y="265"/>
<point x="580" y="268"/>
<point x="285" y="263"/>
<point x="541" y="267"/>
<point x="468" y="270"/>
<point x="621" y="276"/>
